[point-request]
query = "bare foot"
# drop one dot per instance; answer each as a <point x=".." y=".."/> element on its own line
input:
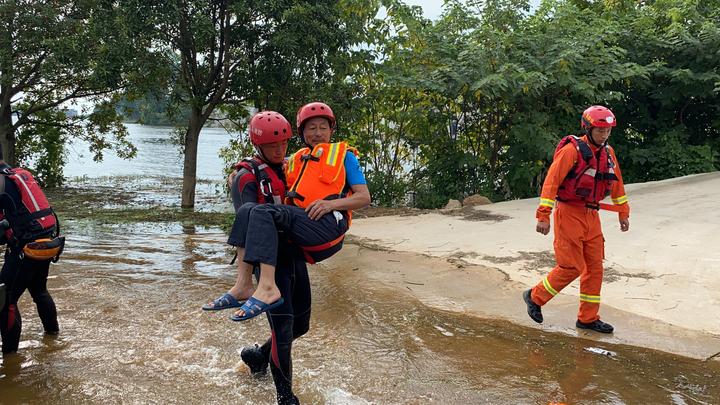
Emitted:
<point x="242" y="293"/>
<point x="267" y="295"/>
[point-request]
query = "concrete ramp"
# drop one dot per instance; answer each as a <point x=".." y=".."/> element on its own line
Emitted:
<point x="667" y="267"/>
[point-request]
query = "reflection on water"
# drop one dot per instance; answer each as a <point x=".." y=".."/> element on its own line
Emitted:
<point x="132" y="331"/>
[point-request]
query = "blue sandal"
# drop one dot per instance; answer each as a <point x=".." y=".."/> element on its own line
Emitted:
<point x="224" y="302"/>
<point x="254" y="307"/>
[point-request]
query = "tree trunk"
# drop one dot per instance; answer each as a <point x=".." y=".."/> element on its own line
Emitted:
<point x="7" y="73"/>
<point x="7" y="135"/>
<point x="192" y="137"/>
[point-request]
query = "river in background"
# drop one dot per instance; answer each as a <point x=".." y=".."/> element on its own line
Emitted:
<point x="154" y="176"/>
<point x="132" y="331"/>
<point x="156" y="155"/>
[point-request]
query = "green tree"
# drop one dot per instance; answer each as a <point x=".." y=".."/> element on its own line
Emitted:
<point x="234" y="56"/>
<point x="44" y="146"/>
<point x="152" y="108"/>
<point x="670" y="119"/>
<point x="504" y="86"/>
<point x="385" y="116"/>
<point x="55" y="53"/>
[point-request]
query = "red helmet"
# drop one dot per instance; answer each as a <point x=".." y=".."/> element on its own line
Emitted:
<point x="313" y="110"/>
<point x="268" y="127"/>
<point x="597" y="116"/>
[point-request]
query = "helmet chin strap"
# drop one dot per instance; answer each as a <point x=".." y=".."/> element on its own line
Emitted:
<point x="264" y="158"/>
<point x="260" y="153"/>
<point x="592" y="139"/>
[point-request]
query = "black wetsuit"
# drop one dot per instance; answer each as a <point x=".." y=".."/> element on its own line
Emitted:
<point x="289" y="320"/>
<point x="18" y="275"/>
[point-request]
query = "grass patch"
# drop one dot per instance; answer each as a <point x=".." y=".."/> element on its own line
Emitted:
<point x="91" y="204"/>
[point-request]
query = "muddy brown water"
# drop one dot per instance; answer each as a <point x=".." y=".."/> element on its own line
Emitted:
<point x="132" y="332"/>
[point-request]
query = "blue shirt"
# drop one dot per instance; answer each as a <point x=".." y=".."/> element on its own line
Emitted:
<point x="353" y="173"/>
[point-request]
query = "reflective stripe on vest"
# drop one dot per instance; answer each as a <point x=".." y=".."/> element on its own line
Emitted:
<point x="591" y="178"/>
<point x="317" y="174"/>
<point x="27" y="191"/>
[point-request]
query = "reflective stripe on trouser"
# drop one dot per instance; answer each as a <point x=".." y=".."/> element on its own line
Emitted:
<point x="579" y="252"/>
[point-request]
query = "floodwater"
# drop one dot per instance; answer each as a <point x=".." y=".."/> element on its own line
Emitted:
<point x="129" y="302"/>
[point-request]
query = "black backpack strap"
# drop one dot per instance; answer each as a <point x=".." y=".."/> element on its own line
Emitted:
<point x="2" y="183"/>
<point x="264" y="182"/>
<point x="57" y="223"/>
<point x="29" y="218"/>
<point x="234" y="258"/>
<point x="585" y="151"/>
<point x="253" y="164"/>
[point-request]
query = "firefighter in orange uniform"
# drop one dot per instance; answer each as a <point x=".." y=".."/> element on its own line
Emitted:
<point x="584" y="171"/>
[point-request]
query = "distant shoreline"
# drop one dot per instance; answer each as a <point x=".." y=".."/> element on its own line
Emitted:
<point x="209" y="124"/>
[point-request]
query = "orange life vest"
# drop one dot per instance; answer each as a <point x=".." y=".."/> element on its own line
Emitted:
<point x="317" y="174"/>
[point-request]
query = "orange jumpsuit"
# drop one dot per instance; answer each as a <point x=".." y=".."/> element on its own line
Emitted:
<point x="579" y="242"/>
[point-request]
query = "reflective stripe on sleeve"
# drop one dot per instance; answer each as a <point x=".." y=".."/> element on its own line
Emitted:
<point x="620" y="200"/>
<point x="546" y="202"/>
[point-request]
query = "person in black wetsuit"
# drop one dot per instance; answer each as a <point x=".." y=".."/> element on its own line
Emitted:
<point x="256" y="181"/>
<point x="290" y="320"/>
<point x="20" y="273"/>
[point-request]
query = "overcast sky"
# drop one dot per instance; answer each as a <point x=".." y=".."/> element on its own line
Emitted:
<point x="433" y="8"/>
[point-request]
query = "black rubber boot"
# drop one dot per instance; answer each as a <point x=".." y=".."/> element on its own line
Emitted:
<point x="255" y="359"/>
<point x="597" y="326"/>
<point x="289" y="401"/>
<point x="533" y="309"/>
